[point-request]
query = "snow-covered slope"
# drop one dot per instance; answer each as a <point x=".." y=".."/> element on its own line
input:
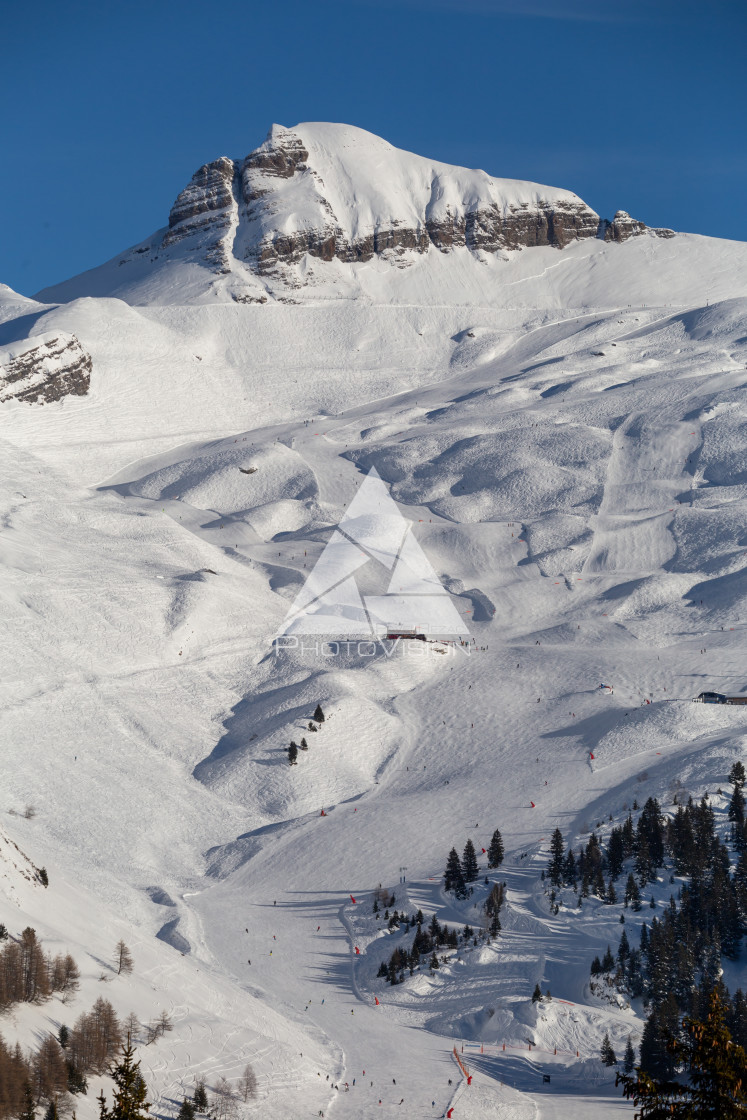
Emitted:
<point x="565" y="429"/>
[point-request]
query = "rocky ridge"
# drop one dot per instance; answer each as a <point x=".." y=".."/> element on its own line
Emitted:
<point x="40" y="370"/>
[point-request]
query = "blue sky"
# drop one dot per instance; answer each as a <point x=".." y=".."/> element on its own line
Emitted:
<point x="109" y="108"/>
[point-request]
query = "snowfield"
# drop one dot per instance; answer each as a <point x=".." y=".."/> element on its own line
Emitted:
<point x="566" y="433"/>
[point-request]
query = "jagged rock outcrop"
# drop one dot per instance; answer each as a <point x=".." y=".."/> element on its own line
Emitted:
<point x="623" y="226"/>
<point x="38" y="371"/>
<point x="206" y="206"/>
<point x="201" y="202"/>
<point x="282" y="155"/>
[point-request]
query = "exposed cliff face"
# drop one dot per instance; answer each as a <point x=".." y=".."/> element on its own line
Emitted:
<point x="38" y="371"/>
<point x="207" y="207"/>
<point x="208" y="191"/>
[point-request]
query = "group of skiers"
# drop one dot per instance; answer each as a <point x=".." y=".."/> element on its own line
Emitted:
<point x="347" y="1087"/>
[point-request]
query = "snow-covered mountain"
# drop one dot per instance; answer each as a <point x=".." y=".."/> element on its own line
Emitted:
<point x="564" y="428"/>
<point x="331" y="192"/>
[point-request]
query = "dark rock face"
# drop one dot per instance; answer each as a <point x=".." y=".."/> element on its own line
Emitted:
<point x="210" y="189"/>
<point x="283" y="158"/>
<point x="203" y="204"/>
<point x="521" y="227"/>
<point x="46" y="372"/>
<point x="623" y="226"/>
<point x="290" y="247"/>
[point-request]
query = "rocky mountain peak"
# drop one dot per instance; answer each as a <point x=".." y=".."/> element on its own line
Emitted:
<point x="336" y="192"/>
<point x="311" y="203"/>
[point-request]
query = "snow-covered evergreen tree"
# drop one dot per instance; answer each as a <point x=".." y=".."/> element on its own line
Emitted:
<point x="555" y="866"/>
<point x="453" y="876"/>
<point x="470" y="869"/>
<point x="607" y="1054"/>
<point x="495" y="850"/>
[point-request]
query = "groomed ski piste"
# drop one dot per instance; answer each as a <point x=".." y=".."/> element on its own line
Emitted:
<point x="576" y="477"/>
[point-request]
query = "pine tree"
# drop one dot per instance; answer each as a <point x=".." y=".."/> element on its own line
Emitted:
<point x="738" y="1019"/>
<point x="187" y="1110"/>
<point x="76" y="1081"/>
<point x="130" y="1101"/>
<point x="27" y="1112"/>
<point x="200" y="1097"/>
<point x="293" y="755"/>
<point x="555" y="866"/>
<point x="623" y="951"/>
<point x="716" y="1068"/>
<point x="599" y="888"/>
<point x="570" y="873"/>
<point x="63" y="1035"/>
<point x="628" y="837"/>
<point x="495" y="851"/>
<point x="736" y="805"/>
<point x="655" y="1058"/>
<point x="453" y="877"/>
<point x="632" y="894"/>
<point x="319" y="714"/>
<point x="607" y="1054"/>
<point x="737" y="775"/>
<point x="615" y="853"/>
<point x="123" y="958"/>
<point x="470" y="869"/>
<point x="51" y="1113"/>
<point x="650" y="826"/>
<point x="644" y="865"/>
<point x="537" y="994"/>
<point x="737" y="817"/>
<point x="629" y="1059"/>
<point x="304" y="745"/>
